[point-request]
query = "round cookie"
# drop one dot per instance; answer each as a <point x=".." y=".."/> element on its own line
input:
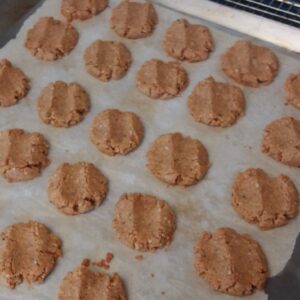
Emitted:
<point x="292" y="89"/>
<point x="51" y="39"/>
<point x="14" y="85"/>
<point x="144" y="222"/>
<point x="28" y="252"/>
<point x="230" y="262"/>
<point x="62" y="105"/>
<point x="77" y="188"/>
<point x="216" y="103"/>
<point x="159" y="80"/>
<point x="185" y="41"/>
<point x="23" y="155"/>
<point x="82" y="9"/>
<point x="116" y="132"/>
<point x="249" y="64"/>
<point x="133" y="20"/>
<point x="265" y="201"/>
<point x="177" y="159"/>
<point x="85" y="284"/>
<point x="107" y="60"/>
<point x="281" y="141"/>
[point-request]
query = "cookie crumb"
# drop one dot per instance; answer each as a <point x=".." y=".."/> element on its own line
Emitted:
<point x="139" y="258"/>
<point x="86" y="262"/>
<point x="101" y="264"/>
<point x="109" y="257"/>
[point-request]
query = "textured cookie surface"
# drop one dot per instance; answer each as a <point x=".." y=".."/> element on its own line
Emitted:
<point x="185" y="41"/>
<point x="281" y="141"/>
<point x="292" y="89"/>
<point x="177" y="159"/>
<point x="28" y="252"/>
<point x="77" y="188"/>
<point x="23" y="155"/>
<point x="249" y="64"/>
<point x="159" y="80"/>
<point x="216" y="103"/>
<point x="144" y="222"/>
<point x="230" y="262"/>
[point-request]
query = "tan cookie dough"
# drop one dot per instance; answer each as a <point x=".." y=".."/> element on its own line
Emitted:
<point x="62" y="105"/>
<point x="185" y="41"/>
<point x="28" y="252"/>
<point x="177" y="159"/>
<point x="281" y="141"/>
<point x="14" y="85"/>
<point x="159" y="80"/>
<point x="216" y="103"/>
<point x="230" y="262"/>
<point x="23" y="155"/>
<point x="51" y="39"/>
<point x="77" y="188"/>
<point x="292" y="89"/>
<point x="144" y="222"/>
<point x="82" y="9"/>
<point x="107" y="60"/>
<point x="133" y="20"/>
<point x="265" y="201"/>
<point x="116" y="132"/>
<point x="249" y="64"/>
<point x="85" y="284"/>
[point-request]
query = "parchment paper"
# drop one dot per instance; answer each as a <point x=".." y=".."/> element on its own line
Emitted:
<point x="205" y="206"/>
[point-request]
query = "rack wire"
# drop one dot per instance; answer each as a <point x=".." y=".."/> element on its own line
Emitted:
<point x="285" y="11"/>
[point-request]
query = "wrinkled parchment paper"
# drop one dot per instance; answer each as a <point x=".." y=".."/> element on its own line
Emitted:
<point x="205" y="206"/>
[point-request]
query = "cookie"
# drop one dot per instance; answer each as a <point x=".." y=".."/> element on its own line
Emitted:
<point x="23" y="155"/>
<point x="82" y="9"/>
<point x="28" y="252"/>
<point x="77" y="188"/>
<point x="133" y="20"/>
<point x="14" y="85"/>
<point x="177" y="159"/>
<point x="230" y="262"/>
<point x="107" y="60"/>
<point x="281" y="141"/>
<point x="249" y="64"/>
<point x="63" y="105"/>
<point x="51" y="39"/>
<point x="85" y="284"/>
<point x="216" y="103"/>
<point x="185" y="41"/>
<point x="265" y="201"/>
<point x="144" y="222"/>
<point x="292" y="89"/>
<point x="116" y="132"/>
<point x="159" y="80"/>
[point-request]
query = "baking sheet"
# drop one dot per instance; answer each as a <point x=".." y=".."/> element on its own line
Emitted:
<point x="205" y="206"/>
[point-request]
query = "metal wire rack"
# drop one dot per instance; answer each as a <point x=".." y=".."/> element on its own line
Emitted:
<point x="285" y="11"/>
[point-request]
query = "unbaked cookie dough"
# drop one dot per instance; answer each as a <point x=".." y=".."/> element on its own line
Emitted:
<point x="292" y="89"/>
<point x="82" y="9"/>
<point x="281" y="141"/>
<point x="133" y="20"/>
<point x="116" y="132"/>
<point x="216" y="103"/>
<point x="106" y="60"/>
<point x="85" y="284"/>
<point x="177" y="159"/>
<point x="144" y="222"/>
<point x="23" y="155"/>
<point x="265" y="201"/>
<point x="185" y="41"/>
<point x="77" y="188"/>
<point x="159" y="80"/>
<point x="14" y="85"/>
<point x="51" y="39"/>
<point x="62" y="105"/>
<point x="230" y="262"/>
<point x="28" y="252"/>
<point x="249" y="64"/>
